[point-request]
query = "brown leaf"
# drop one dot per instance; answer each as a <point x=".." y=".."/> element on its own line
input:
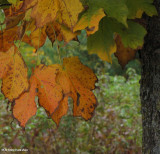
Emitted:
<point x="37" y="37"/>
<point x="123" y="54"/>
<point x="56" y="31"/>
<point x="7" y="38"/>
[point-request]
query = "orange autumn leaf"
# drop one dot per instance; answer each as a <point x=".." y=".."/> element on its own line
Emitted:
<point x="61" y="111"/>
<point x="25" y="106"/>
<point x="7" y="38"/>
<point x="82" y="82"/>
<point x="79" y="73"/>
<point x="123" y="54"/>
<point x="15" y="82"/>
<point x="85" y="104"/>
<point x="49" y="92"/>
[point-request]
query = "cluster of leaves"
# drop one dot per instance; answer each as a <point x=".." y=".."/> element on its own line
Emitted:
<point x="110" y="27"/>
<point x="116" y="131"/>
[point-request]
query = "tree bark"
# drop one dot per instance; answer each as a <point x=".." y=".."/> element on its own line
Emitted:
<point x="150" y="85"/>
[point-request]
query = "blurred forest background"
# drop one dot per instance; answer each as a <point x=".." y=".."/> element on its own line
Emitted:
<point x="116" y="125"/>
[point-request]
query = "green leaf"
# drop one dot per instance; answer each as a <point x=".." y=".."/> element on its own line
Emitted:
<point x="133" y="36"/>
<point x="113" y="8"/>
<point x="14" y="2"/>
<point x="137" y="7"/>
<point x="4" y="4"/>
<point x="102" y="42"/>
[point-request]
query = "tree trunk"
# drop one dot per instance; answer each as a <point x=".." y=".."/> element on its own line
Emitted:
<point x="150" y="85"/>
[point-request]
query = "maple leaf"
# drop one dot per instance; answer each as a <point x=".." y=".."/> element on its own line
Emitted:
<point x="123" y="54"/>
<point x="90" y="20"/>
<point x="55" y="83"/>
<point x="82" y="81"/>
<point x="133" y="36"/>
<point x="137" y="7"/>
<point x="25" y="107"/>
<point x="116" y="9"/>
<point x="102" y="42"/>
<point x="15" y="82"/>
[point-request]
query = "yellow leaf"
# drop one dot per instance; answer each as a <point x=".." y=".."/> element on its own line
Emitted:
<point x="25" y="106"/>
<point x="15" y="82"/>
<point x="101" y="52"/>
<point x="5" y="60"/>
<point x="139" y="13"/>
<point x="90" y="20"/>
<point x="44" y="11"/>
<point x="69" y="11"/>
